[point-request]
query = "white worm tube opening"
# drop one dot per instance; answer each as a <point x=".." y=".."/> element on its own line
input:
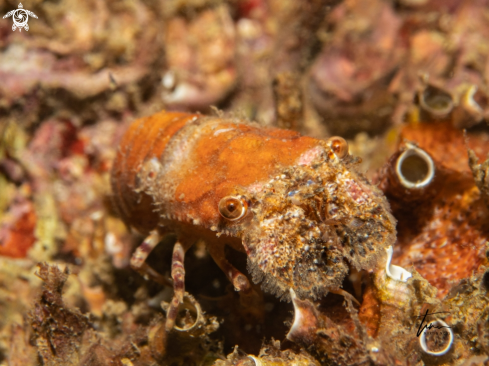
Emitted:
<point x="395" y="272"/>
<point x="298" y="316"/>
<point x="422" y="339"/>
<point x="474" y="102"/>
<point x="257" y="361"/>
<point x="436" y="102"/>
<point x="190" y="304"/>
<point x="469" y="102"/>
<point x="415" y="168"/>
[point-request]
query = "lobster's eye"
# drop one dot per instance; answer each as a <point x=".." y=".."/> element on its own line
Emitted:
<point x="232" y="208"/>
<point x="339" y="146"/>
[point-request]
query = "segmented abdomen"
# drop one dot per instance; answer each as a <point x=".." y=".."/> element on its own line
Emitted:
<point x="146" y="138"/>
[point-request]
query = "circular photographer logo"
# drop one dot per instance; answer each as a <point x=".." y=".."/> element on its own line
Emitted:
<point x="20" y="17"/>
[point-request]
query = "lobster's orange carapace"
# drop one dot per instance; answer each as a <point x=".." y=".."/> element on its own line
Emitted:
<point x="296" y="205"/>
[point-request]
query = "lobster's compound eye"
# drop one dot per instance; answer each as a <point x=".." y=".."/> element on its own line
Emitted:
<point x="233" y="208"/>
<point x="339" y="146"/>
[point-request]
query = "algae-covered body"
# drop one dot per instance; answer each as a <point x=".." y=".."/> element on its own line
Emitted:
<point x="296" y="205"/>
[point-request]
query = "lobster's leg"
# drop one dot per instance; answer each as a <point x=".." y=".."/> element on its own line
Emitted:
<point x="346" y="295"/>
<point x="178" y="275"/>
<point x="138" y="259"/>
<point x="250" y="299"/>
<point x="239" y="280"/>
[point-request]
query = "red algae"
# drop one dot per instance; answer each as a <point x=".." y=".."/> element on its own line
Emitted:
<point x="444" y="224"/>
<point x="17" y="237"/>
